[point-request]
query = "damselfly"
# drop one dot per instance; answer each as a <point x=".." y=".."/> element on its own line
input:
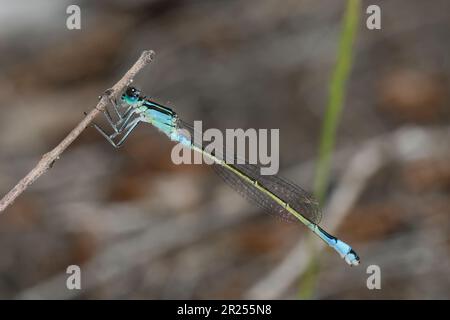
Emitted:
<point x="273" y="193"/>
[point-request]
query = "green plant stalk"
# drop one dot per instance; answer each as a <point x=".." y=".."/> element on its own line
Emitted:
<point x="336" y="98"/>
<point x="330" y="124"/>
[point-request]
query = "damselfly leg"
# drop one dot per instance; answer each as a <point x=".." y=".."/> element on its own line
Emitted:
<point x="125" y="124"/>
<point x="130" y="127"/>
<point x="113" y="102"/>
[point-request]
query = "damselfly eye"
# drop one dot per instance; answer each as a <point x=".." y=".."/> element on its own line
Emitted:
<point x="132" y="92"/>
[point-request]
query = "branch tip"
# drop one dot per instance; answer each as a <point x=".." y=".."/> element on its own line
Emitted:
<point x="148" y="56"/>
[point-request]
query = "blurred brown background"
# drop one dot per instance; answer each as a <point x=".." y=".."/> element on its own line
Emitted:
<point x="141" y="227"/>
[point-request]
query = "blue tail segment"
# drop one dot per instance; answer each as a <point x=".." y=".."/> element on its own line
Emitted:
<point x="345" y="251"/>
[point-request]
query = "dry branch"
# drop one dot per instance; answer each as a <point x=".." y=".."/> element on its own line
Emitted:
<point x="49" y="158"/>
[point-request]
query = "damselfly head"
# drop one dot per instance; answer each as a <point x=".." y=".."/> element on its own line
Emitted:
<point x="131" y="95"/>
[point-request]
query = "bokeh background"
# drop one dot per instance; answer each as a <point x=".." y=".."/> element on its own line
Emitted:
<point x="142" y="227"/>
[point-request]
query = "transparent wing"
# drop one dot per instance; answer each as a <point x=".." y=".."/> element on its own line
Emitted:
<point x="296" y="197"/>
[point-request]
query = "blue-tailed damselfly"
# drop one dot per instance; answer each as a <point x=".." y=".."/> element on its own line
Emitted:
<point x="273" y="193"/>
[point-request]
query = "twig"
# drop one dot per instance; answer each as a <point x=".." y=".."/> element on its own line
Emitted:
<point x="49" y="158"/>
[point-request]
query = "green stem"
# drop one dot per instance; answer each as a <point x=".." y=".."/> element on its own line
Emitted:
<point x="336" y="96"/>
<point x="330" y="124"/>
